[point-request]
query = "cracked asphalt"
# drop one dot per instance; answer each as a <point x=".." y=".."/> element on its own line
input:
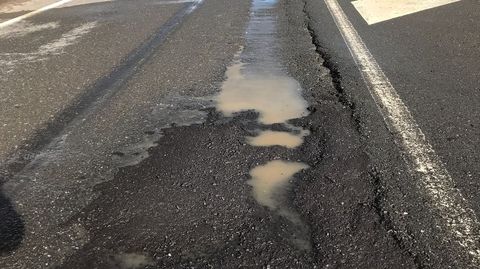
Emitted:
<point x="113" y="153"/>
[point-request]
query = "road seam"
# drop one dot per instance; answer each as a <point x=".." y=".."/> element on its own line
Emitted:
<point x="452" y="208"/>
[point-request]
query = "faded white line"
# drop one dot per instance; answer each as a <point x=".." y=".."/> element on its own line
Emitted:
<point x="8" y="61"/>
<point x="29" y="5"/>
<point x="66" y="39"/>
<point x="37" y="4"/>
<point x="374" y="11"/>
<point x="457" y="217"/>
<point x="25" y="28"/>
<point x="174" y="2"/>
<point x="195" y="4"/>
<point x="67" y="3"/>
<point x="33" y="13"/>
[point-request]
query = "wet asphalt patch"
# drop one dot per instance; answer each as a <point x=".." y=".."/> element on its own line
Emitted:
<point x="188" y="204"/>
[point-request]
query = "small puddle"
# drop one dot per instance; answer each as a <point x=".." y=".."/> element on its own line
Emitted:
<point x="132" y="261"/>
<point x="276" y="98"/>
<point x="257" y="81"/>
<point x="275" y="138"/>
<point x="271" y="181"/>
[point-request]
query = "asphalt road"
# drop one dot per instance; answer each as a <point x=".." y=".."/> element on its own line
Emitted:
<point x="115" y="151"/>
<point x="430" y="58"/>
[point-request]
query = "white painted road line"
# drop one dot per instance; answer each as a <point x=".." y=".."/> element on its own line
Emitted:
<point x="174" y="2"/>
<point x="9" y="61"/>
<point x="33" y="13"/>
<point x="67" y="3"/>
<point x="374" y="11"/>
<point x="456" y="217"/>
<point x="195" y="4"/>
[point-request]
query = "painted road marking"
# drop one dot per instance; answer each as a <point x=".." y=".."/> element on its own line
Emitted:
<point x="67" y="3"/>
<point x="33" y="13"/>
<point x="24" y="28"/>
<point x="374" y="11"/>
<point x="9" y="61"/>
<point x="456" y="216"/>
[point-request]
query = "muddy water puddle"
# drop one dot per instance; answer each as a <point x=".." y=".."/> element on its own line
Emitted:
<point x="271" y="183"/>
<point x="272" y="180"/>
<point x="276" y="98"/>
<point x="275" y="138"/>
<point x="131" y="261"/>
<point x="257" y="81"/>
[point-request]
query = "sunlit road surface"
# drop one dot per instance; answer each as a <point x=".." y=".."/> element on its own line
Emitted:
<point x="227" y="134"/>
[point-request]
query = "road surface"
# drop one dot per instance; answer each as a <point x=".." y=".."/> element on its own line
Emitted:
<point x="227" y="134"/>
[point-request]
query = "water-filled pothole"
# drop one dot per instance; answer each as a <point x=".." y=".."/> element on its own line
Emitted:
<point x="270" y="138"/>
<point x="257" y="81"/>
<point x="277" y="98"/>
<point x="271" y="180"/>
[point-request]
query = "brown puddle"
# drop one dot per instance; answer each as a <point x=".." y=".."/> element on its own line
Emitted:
<point x="275" y="138"/>
<point x="132" y="261"/>
<point x="271" y="183"/>
<point x="257" y="81"/>
<point x="271" y="180"/>
<point x="276" y="98"/>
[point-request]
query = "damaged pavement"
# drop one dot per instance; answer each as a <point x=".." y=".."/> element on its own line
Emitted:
<point x="145" y="170"/>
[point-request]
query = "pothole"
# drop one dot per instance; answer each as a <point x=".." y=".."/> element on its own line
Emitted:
<point x="257" y="81"/>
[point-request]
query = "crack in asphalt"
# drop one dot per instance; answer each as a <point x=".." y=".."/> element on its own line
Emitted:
<point x="346" y="101"/>
<point x="335" y="75"/>
<point x="386" y="220"/>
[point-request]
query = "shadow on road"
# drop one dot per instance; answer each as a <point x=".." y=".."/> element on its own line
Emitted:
<point x="11" y="226"/>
